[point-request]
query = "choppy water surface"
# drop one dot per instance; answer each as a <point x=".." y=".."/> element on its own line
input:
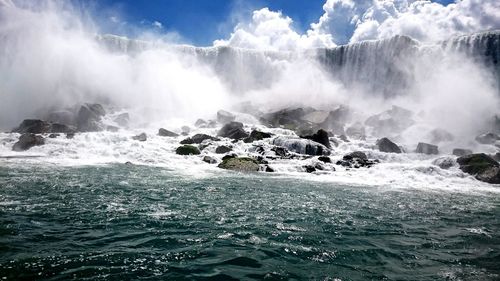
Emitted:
<point x="131" y="222"/>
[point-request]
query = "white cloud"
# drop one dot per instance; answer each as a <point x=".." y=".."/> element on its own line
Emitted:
<point x="157" y="24"/>
<point x="421" y="19"/>
<point x="347" y="21"/>
<point x="273" y="31"/>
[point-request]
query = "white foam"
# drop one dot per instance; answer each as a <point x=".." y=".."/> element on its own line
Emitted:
<point x="406" y="170"/>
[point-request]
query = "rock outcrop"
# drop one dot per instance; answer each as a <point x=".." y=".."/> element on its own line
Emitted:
<point x="426" y="148"/>
<point x="482" y="166"/>
<point x="233" y="130"/>
<point x="241" y="164"/>
<point x="386" y="145"/>
<point x="302" y="146"/>
<point x="187" y="150"/>
<point x="27" y="141"/>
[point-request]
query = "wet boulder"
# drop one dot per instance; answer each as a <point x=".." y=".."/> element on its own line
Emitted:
<point x="386" y="145"/>
<point x="289" y="118"/>
<point x="89" y="117"/>
<point x="166" y="133"/>
<point x="356" y="159"/>
<point x="444" y="162"/>
<point x="233" y="130"/>
<point x="309" y="168"/>
<point x="487" y="138"/>
<point x="209" y="160"/>
<point x="224" y="117"/>
<point x="302" y="146"/>
<point x="427" y="148"/>
<point x="27" y="141"/>
<point x="461" y="152"/>
<point x="482" y="166"/>
<point x="325" y="159"/>
<point x="187" y="150"/>
<point x="280" y="151"/>
<point x="223" y="149"/>
<point x="241" y="164"/>
<point x="35" y="126"/>
<point x="140" y="137"/>
<point x="321" y="136"/>
<point x="256" y="135"/>
<point x="198" y="138"/>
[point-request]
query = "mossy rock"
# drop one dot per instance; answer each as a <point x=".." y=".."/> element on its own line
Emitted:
<point x="187" y="150"/>
<point x="242" y="164"/>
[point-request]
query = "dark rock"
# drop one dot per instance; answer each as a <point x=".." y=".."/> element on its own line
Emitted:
<point x="289" y="118"/>
<point x="187" y="150"/>
<point x="325" y="159"/>
<point x="53" y="136"/>
<point x="232" y="155"/>
<point x="268" y="169"/>
<point x="27" y="141"/>
<point x="140" y="137"/>
<point x="33" y="126"/>
<point x="128" y="163"/>
<point x="309" y="168"/>
<point x="482" y="166"/>
<point x="198" y="138"/>
<point x="166" y="133"/>
<point x="440" y="135"/>
<point x="461" y="152"/>
<point x="386" y="145"/>
<point x="355" y="154"/>
<point x="256" y="136"/>
<point x="426" y="148"/>
<point x="242" y="164"/>
<point x="302" y="146"/>
<point x="261" y="160"/>
<point x="488" y="138"/>
<point x="122" y="119"/>
<point x="89" y="117"/>
<point x="224" y="117"/>
<point x="233" y="130"/>
<point x="321" y="137"/>
<point x="444" y="162"/>
<point x="200" y="123"/>
<point x="70" y="135"/>
<point x="280" y="151"/>
<point x="209" y="160"/>
<point x="356" y="159"/>
<point x="223" y="149"/>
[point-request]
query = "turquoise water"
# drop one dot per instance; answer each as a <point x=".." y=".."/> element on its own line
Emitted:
<point x="130" y="222"/>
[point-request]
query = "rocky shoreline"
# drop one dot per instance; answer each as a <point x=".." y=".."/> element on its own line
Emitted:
<point x="311" y="135"/>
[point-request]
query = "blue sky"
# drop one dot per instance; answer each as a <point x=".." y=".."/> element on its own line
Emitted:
<point x="200" y="22"/>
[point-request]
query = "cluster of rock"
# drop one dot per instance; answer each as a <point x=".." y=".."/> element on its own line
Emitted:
<point x="317" y="133"/>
